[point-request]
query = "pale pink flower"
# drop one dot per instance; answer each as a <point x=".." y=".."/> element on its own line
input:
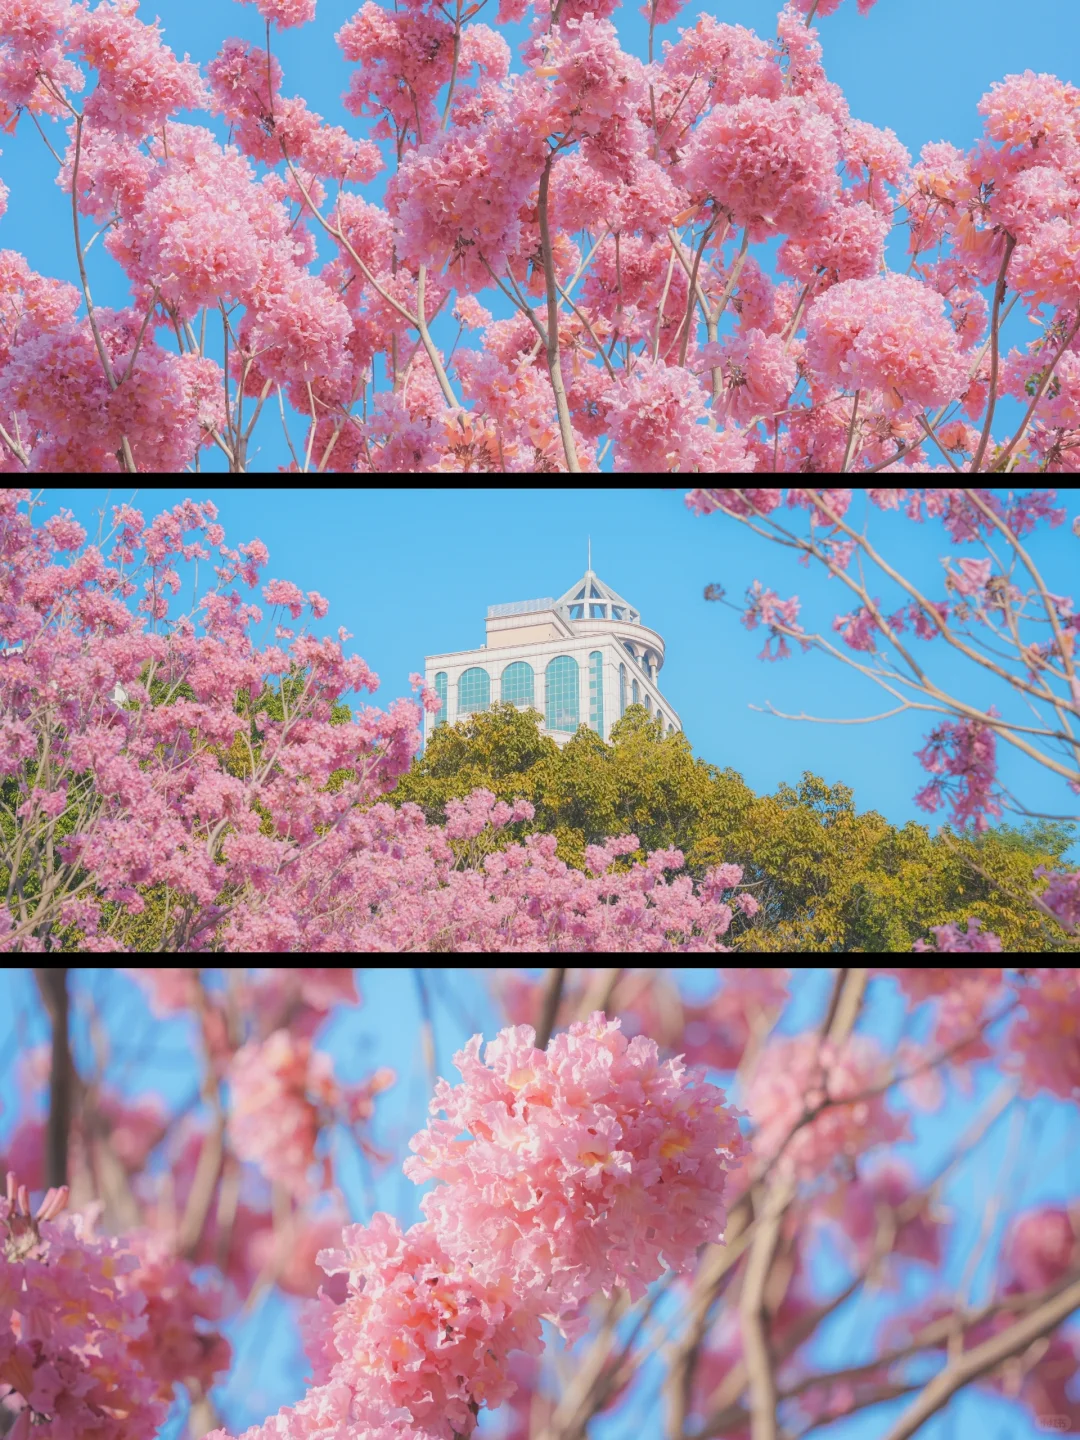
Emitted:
<point x="285" y="13"/>
<point x="1046" y="1038"/>
<point x="797" y="1075"/>
<point x="770" y="163"/>
<point x="888" y="334"/>
<point x="951" y="937"/>
<point x="70" y="1326"/>
<point x="420" y="1333"/>
<point x="176" y="1344"/>
<point x="1041" y="1247"/>
<point x="861" y="1207"/>
<point x="626" y="1163"/>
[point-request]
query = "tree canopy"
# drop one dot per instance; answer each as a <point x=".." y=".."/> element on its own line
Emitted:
<point x="828" y="878"/>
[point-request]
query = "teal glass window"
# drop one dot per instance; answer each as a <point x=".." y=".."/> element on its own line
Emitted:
<point x="622" y="691"/>
<point x="440" y="691"/>
<point x="596" y="692"/>
<point x="518" y="684"/>
<point x="561" y="687"/>
<point x="634" y="693"/>
<point x="473" y="691"/>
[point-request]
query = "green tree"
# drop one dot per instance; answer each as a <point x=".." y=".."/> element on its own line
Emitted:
<point x="827" y="877"/>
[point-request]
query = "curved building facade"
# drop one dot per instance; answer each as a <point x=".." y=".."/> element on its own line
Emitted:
<point x="579" y="660"/>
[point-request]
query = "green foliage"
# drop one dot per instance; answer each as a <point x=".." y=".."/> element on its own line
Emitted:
<point x="828" y="878"/>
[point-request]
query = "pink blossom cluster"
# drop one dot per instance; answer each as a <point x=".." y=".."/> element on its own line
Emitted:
<point x="1040" y="1247"/>
<point x="588" y="1164"/>
<point x="177" y="1346"/>
<point x="421" y="1335"/>
<point x="626" y="1160"/>
<point x="70" y="1328"/>
<point x="864" y="1210"/>
<point x="154" y="788"/>
<point x="966" y="752"/>
<point x="965" y="1000"/>
<point x="586" y="169"/>
<point x="1046" y="1037"/>
<point x="285" y="1094"/>
<point x="887" y="334"/>
<point x="718" y="1032"/>
<point x="135" y="1124"/>
<point x="816" y="1104"/>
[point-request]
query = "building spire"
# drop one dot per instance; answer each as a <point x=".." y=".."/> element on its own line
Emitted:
<point x="590" y="555"/>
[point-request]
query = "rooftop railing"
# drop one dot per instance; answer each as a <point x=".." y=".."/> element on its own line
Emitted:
<point x="520" y="607"/>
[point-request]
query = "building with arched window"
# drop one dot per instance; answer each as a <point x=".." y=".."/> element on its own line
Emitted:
<point x="580" y="659"/>
<point x="473" y="690"/>
<point x="519" y="683"/>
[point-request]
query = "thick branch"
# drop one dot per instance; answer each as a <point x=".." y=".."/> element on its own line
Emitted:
<point x="978" y="1361"/>
<point x="54" y="995"/>
<point x="995" y="329"/>
<point x="754" y="1316"/>
<point x="562" y="409"/>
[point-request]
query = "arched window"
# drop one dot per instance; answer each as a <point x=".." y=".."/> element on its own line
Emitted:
<point x="517" y="684"/>
<point x="660" y="717"/>
<point x="561" y="686"/>
<point x="596" y="692"/>
<point x="634" y="700"/>
<point x="440" y="691"/>
<point x="622" y="691"/>
<point x="473" y="691"/>
<point x="671" y="729"/>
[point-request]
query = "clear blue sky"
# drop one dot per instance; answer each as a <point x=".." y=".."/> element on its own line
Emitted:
<point x="918" y="66"/>
<point x="1033" y="1165"/>
<point x="411" y="572"/>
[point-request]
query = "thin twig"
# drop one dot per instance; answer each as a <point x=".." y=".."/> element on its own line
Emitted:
<point x="550" y="1006"/>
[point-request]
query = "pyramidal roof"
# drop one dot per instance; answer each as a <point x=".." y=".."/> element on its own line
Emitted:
<point x="591" y="588"/>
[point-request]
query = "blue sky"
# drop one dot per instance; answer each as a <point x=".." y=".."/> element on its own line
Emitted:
<point x="1028" y="1154"/>
<point x="411" y="573"/>
<point x="918" y="66"/>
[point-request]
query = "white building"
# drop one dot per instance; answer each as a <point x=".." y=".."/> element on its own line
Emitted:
<point x="579" y="660"/>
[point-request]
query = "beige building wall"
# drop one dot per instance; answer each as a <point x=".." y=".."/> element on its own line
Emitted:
<point x="526" y="635"/>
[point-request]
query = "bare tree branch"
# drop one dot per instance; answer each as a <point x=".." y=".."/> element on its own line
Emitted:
<point x="550" y="1008"/>
<point x="982" y="1358"/>
<point x="52" y="984"/>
